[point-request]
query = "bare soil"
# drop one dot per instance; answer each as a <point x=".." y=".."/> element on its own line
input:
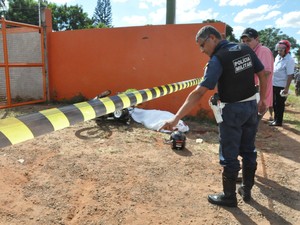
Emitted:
<point x="118" y="174"/>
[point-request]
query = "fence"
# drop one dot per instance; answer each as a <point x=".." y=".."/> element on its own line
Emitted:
<point x="22" y="67"/>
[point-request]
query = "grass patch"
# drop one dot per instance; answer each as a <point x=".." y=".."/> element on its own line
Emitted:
<point x="292" y="114"/>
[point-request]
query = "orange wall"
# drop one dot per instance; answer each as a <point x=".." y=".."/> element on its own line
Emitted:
<point x="93" y="60"/>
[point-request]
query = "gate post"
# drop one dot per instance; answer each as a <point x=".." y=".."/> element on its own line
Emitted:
<point x="46" y="23"/>
<point x="5" y="57"/>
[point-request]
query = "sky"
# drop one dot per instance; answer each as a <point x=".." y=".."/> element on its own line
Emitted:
<point x="239" y="14"/>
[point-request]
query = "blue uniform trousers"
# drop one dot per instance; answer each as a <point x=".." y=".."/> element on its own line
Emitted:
<point x="237" y="135"/>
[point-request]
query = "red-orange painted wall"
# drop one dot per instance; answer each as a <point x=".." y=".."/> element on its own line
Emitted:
<point x="93" y="60"/>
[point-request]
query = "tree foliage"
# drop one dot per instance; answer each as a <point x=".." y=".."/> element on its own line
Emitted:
<point x="268" y="37"/>
<point x="2" y="7"/>
<point x="99" y="25"/>
<point x="271" y="36"/>
<point x="2" y="4"/>
<point x="24" y="11"/>
<point x="229" y="30"/>
<point x="66" y="17"/>
<point x="103" y="13"/>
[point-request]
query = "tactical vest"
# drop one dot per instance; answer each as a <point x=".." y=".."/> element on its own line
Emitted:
<point x="237" y="80"/>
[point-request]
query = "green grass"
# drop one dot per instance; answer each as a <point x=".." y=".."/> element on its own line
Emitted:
<point x="292" y="115"/>
<point x="293" y="99"/>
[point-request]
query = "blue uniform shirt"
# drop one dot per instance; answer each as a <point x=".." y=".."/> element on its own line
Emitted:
<point x="214" y="69"/>
<point x="212" y="73"/>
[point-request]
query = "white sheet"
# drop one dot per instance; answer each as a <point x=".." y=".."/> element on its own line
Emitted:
<point x="154" y="119"/>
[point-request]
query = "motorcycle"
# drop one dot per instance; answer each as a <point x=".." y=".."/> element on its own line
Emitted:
<point x="123" y="115"/>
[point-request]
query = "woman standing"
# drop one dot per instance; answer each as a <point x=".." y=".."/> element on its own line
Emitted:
<point x="284" y="67"/>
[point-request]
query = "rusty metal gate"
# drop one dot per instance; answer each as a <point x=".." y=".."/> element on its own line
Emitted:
<point x="22" y="64"/>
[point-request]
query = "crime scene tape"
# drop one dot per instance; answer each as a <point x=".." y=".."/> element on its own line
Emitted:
<point x="15" y="130"/>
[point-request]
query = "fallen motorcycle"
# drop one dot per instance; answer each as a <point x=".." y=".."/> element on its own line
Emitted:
<point x="122" y="115"/>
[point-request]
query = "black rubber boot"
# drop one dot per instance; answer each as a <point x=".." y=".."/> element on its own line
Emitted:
<point x="248" y="181"/>
<point x="228" y="196"/>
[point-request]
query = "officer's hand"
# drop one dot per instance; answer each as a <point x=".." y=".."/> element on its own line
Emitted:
<point x="169" y="124"/>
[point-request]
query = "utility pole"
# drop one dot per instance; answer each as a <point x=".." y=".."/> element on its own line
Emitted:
<point x="171" y="11"/>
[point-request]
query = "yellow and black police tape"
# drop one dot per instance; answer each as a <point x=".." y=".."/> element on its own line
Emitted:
<point x="18" y="129"/>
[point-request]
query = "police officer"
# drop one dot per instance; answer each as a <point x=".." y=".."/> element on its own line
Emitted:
<point x="231" y="68"/>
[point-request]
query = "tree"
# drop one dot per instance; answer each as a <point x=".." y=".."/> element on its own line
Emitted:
<point x="2" y="7"/>
<point x="63" y="17"/>
<point x="103" y="13"/>
<point x="229" y="30"/>
<point x="66" y="17"/>
<point x="24" y="11"/>
<point x="2" y="4"/>
<point x="271" y="36"/>
<point x="99" y="25"/>
<point x="268" y="37"/>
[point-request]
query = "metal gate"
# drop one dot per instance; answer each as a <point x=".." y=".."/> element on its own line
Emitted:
<point x="22" y="64"/>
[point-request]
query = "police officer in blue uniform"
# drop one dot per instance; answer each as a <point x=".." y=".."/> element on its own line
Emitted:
<point x="231" y="68"/>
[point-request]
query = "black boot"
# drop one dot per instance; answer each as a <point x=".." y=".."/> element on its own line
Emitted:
<point x="228" y="197"/>
<point x="248" y="181"/>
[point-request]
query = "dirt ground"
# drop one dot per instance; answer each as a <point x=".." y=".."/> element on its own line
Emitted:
<point x="117" y="174"/>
